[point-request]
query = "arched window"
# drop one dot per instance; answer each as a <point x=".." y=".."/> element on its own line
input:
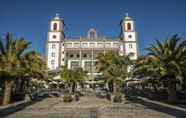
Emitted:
<point x="92" y="35"/>
<point x="128" y="26"/>
<point x="55" y="26"/>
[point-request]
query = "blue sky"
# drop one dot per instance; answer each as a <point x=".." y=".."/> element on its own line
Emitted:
<point x="155" y="19"/>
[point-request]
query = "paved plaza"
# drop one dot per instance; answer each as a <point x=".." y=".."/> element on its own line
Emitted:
<point x="92" y="107"/>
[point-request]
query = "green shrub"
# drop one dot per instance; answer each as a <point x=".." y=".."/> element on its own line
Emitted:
<point x="67" y="98"/>
<point x="117" y="97"/>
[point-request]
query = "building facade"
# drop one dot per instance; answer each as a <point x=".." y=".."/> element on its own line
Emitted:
<point x="82" y="52"/>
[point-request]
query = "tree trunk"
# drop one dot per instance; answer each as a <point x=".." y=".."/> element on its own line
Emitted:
<point x="73" y="87"/>
<point x="7" y="92"/>
<point x="155" y="88"/>
<point x="110" y="85"/>
<point x="114" y="88"/>
<point x="22" y="85"/>
<point x="171" y="90"/>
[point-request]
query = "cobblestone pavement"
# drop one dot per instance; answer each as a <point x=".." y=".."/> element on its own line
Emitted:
<point x="92" y="107"/>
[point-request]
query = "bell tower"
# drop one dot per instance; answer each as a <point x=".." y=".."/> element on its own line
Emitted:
<point x="55" y="43"/>
<point x="128" y="36"/>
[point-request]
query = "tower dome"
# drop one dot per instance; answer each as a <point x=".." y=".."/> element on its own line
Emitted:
<point x="127" y="17"/>
<point x="57" y="17"/>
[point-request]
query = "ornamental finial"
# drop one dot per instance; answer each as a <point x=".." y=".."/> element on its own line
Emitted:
<point x="57" y="14"/>
<point x="126" y="14"/>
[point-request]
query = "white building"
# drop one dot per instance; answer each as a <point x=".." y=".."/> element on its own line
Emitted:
<point x="82" y="52"/>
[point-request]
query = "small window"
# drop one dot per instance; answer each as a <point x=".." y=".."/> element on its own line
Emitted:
<point x="55" y="26"/>
<point x="54" y="36"/>
<point x="63" y="52"/>
<point x="85" y="55"/>
<point x="63" y="59"/>
<point x="53" y="46"/>
<point x="130" y="45"/>
<point x="77" y="55"/>
<point x="53" y="54"/>
<point x="128" y="26"/>
<point x="52" y="62"/>
<point x="71" y="56"/>
<point x="130" y="36"/>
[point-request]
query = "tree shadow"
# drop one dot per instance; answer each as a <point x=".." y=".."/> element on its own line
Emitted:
<point x="15" y="108"/>
<point x="178" y="113"/>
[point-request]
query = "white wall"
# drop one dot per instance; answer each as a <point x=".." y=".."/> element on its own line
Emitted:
<point x="129" y="50"/>
<point x="127" y="34"/>
<point x="50" y="58"/>
<point x="51" y="34"/>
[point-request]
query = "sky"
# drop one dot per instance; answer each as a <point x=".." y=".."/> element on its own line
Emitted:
<point x="154" y="19"/>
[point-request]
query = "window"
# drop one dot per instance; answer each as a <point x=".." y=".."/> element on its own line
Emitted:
<point x="53" y="46"/>
<point x="55" y="26"/>
<point x="128" y="26"/>
<point x="77" y="55"/>
<point x="130" y="36"/>
<point x="74" y="65"/>
<point x="130" y="45"/>
<point x="53" y="54"/>
<point x="92" y="35"/>
<point x="85" y="55"/>
<point x="71" y="56"/>
<point x="54" y="36"/>
<point x="52" y="62"/>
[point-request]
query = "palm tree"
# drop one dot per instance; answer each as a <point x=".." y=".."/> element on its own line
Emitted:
<point x="72" y="77"/>
<point x="10" y="54"/>
<point x="113" y="67"/>
<point x="16" y="62"/>
<point x="79" y="76"/>
<point x="148" y="67"/>
<point x="33" y="67"/>
<point x="169" y="63"/>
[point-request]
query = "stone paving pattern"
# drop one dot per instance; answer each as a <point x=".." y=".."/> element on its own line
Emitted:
<point x="92" y="107"/>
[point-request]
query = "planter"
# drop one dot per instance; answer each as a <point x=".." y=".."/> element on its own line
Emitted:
<point x="67" y="98"/>
<point x="117" y="98"/>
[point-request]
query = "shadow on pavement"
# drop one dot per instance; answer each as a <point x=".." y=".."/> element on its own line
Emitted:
<point x="178" y="113"/>
<point x="15" y="108"/>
